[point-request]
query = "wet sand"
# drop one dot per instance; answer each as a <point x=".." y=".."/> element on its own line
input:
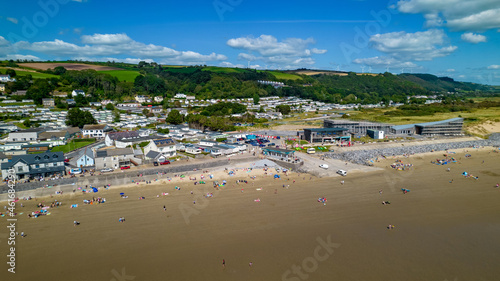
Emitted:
<point x="442" y="230"/>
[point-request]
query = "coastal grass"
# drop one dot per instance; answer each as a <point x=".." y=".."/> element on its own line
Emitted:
<point x="471" y="118"/>
<point x="72" y="146"/>
<point x="123" y="75"/>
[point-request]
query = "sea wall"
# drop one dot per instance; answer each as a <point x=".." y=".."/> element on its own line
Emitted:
<point x="364" y="157"/>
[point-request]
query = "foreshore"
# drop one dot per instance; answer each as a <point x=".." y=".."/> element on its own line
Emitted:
<point x="275" y="224"/>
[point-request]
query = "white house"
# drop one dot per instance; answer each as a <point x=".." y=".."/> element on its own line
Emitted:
<point x="163" y="146"/>
<point x="180" y="96"/>
<point x="208" y="143"/>
<point x="95" y="131"/>
<point x="142" y="99"/>
<point x="122" y="139"/>
<point x="77" y="92"/>
<point x="193" y="150"/>
<point x="158" y="99"/>
<point x="6" y="78"/>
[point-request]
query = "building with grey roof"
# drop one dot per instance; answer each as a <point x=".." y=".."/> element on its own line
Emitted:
<point x="35" y="165"/>
<point x="449" y="127"/>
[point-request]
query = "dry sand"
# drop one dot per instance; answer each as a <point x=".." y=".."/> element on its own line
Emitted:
<point x="443" y="230"/>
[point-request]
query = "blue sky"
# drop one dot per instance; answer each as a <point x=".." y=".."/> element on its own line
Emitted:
<point x="454" y="38"/>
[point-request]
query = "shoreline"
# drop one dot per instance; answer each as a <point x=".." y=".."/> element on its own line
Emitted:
<point x="275" y="224"/>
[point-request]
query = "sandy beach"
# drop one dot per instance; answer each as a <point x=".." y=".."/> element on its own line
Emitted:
<point x="446" y="227"/>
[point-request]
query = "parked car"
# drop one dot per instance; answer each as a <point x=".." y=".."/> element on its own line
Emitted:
<point x="342" y="173"/>
<point x="271" y="144"/>
<point x="107" y="170"/>
<point x="75" y="171"/>
<point x="155" y="163"/>
<point x="324" y="166"/>
<point x="165" y="162"/>
<point x="66" y="160"/>
<point x="125" y="168"/>
<point x="262" y="145"/>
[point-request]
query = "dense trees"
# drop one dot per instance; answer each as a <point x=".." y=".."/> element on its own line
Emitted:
<point x="78" y="118"/>
<point x="224" y="108"/>
<point x="39" y="90"/>
<point x="175" y="117"/>
<point x="283" y="108"/>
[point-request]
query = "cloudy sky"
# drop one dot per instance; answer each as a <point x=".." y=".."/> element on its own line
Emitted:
<point x="455" y="38"/>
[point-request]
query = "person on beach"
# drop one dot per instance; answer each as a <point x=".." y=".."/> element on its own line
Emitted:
<point x="223" y="263"/>
<point x="164" y="208"/>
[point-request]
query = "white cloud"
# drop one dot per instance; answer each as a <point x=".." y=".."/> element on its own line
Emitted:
<point x="117" y="45"/>
<point x="289" y="53"/>
<point x="494" y="66"/>
<point x="419" y="46"/>
<point x="385" y="62"/>
<point x="20" y="57"/>
<point x="474" y="15"/>
<point x="12" y="20"/>
<point x="228" y="64"/>
<point x="248" y="57"/>
<point x="473" y="38"/>
<point x="106" y="39"/>
<point x="3" y="42"/>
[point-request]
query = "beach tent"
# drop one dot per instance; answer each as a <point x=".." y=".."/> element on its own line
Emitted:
<point x="94" y="189"/>
<point x="276" y="176"/>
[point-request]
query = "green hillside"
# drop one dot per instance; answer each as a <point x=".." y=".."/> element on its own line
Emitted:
<point x="123" y="75"/>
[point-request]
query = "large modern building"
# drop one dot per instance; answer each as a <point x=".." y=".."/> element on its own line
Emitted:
<point x="324" y="134"/>
<point x="358" y="128"/>
<point x="448" y="127"/>
<point x="25" y="135"/>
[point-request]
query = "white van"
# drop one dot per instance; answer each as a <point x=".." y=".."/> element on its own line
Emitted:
<point x="311" y="150"/>
<point x="342" y="173"/>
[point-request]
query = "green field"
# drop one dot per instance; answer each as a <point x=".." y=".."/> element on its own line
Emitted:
<point x="123" y="75"/>
<point x="72" y="146"/>
<point x="35" y="75"/>
<point x="284" y="76"/>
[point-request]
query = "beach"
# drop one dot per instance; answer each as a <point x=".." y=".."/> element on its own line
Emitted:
<point x="445" y="228"/>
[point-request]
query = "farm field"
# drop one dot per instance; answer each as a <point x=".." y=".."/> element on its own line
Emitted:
<point x="34" y="74"/>
<point x="123" y="75"/>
